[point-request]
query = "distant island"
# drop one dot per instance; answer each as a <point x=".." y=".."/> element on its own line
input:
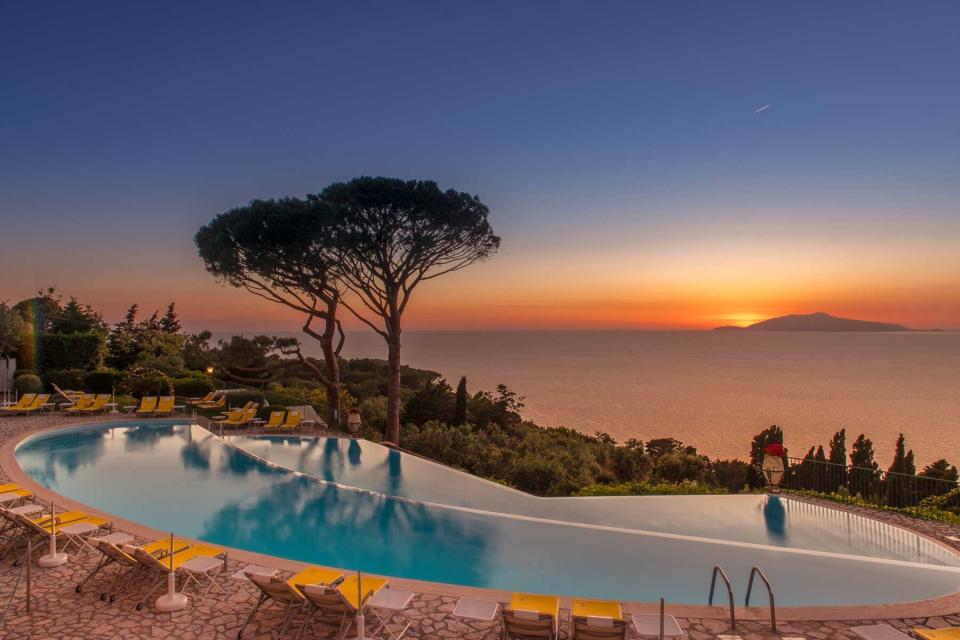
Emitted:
<point x="816" y="322"/>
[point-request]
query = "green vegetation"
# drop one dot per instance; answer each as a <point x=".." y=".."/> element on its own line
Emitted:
<point x="482" y="433"/>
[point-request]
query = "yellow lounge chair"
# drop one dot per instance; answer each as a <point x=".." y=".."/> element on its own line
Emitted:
<point x="293" y="420"/>
<point x="596" y="620"/>
<point x="37" y="405"/>
<point x="159" y="567"/>
<point x="164" y="406"/>
<point x="286" y="592"/>
<point x="205" y="399"/>
<point x="950" y="633"/>
<point x="242" y="420"/>
<point x="25" y="401"/>
<point x="275" y="421"/>
<point x="531" y="616"/>
<point x="113" y="554"/>
<point x="80" y="403"/>
<point x="99" y="404"/>
<point x="147" y="405"/>
<point x="336" y="607"/>
<point x="216" y="404"/>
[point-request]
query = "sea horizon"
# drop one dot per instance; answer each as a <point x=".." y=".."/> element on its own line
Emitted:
<point x="712" y="389"/>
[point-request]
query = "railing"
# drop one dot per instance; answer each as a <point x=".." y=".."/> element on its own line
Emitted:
<point x="717" y="570"/>
<point x="755" y="571"/>
<point x="865" y="486"/>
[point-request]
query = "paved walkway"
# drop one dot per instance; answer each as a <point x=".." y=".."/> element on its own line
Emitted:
<point x="59" y="612"/>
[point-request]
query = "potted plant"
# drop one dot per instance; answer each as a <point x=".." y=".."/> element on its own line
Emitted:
<point x="773" y="467"/>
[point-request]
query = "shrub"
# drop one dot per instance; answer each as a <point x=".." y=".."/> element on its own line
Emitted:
<point x="71" y="351"/>
<point x="264" y="412"/>
<point x="193" y="385"/>
<point x="27" y="383"/>
<point x="142" y="383"/>
<point x="72" y="379"/>
<point x="538" y="475"/>
<point x="687" y="487"/>
<point x="730" y="474"/>
<point x="242" y="397"/>
<point x="949" y="501"/>
<point x="24" y="372"/>
<point x="102" y="380"/>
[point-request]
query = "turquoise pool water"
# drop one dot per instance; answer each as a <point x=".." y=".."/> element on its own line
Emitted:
<point x="357" y="505"/>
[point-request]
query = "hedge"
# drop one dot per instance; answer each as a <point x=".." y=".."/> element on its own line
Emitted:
<point x="62" y="351"/>
<point x="194" y="385"/>
<point x="102" y="381"/>
<point x="72" y="379"/>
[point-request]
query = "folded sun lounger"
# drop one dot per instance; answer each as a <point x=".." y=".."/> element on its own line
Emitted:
<point x="164" y="406"/>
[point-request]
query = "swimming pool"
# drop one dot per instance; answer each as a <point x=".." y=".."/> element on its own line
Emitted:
<point x="357" y="505"/>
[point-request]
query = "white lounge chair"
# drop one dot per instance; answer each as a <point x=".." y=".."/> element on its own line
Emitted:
<point x="879" y="632"/>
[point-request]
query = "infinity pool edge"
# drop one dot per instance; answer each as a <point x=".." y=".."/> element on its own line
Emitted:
<point x="944" y="605"/>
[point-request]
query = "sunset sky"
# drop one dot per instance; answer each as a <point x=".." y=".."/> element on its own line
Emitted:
<point x="631" y="171"/>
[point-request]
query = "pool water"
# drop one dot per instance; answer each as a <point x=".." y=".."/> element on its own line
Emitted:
<point x="357" y="505"/>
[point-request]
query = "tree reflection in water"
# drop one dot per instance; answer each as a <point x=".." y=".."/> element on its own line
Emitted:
<point x="324" y="524"/>
<point x="72" y="451"/>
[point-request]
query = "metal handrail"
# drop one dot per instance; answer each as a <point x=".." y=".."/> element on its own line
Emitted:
<point x="755" y="571"/>
<point x="713" y="583"/>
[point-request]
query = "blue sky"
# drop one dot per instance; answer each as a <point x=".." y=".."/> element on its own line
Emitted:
<point x="617" y="141"/>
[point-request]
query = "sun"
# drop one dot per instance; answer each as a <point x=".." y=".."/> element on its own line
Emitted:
<point x="743" y="319"/>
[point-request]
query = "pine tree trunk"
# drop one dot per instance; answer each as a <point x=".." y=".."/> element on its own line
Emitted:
<point x="393" y="390"/>
<point x="333" y="373"/>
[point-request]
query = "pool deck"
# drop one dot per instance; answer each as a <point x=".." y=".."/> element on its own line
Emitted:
<point x="57" y="611"/>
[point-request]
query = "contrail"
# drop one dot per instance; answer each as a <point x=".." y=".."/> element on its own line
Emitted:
<point x="763" y="108"/>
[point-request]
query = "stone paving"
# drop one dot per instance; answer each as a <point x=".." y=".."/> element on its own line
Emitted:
<point x="57" y="611"/>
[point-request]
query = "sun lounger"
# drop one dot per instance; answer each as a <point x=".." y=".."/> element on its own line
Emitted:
<point x="336" y="607"/>
<point x="159" y="567"/>
<point x="275" y="421"/>
<point x="949" y="633"/>
<point x="648" y="624"/>
<point x="244" y="419"/>
<point x="205" y="399"/>
<point x="879" y="632"/>
<point x="80" y="403"/>
<point x="532" y="616"/>
<point x="147" y="405"/>
<point x="25" y="401"/>
<point x="519" y="624"/>
<point x="164" y="406"/>
<point x="596" y="620"/>
<point x="293" y="420"/>
<point x="214" y="404"/>
<point x="36" y="405"/>
<point x="286" y="593"/>
<point x="64" y="525"/>
<point x="99" y="404"/>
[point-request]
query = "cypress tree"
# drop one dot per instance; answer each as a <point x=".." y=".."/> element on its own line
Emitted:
<point x="460" y="407"/>
<point x="838" y="461"/>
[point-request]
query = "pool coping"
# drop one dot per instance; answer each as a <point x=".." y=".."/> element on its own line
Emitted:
<point x="944" y="605"/>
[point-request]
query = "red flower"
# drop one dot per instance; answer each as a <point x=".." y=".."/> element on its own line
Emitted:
<point x="775" y="449"/>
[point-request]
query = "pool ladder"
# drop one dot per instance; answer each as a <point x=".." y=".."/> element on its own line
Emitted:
<point x="755" y="571"/>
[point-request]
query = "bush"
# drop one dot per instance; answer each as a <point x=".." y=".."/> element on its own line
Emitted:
<point x="949" y="501"/>
<point x="24" y="372"/>
<point x="242" y="397"/>
<point x="730" y="474"/>
<point x="102" y="381"/>
<point x="264" y="412"/>
<point x="60" y="351"/>
<point x="538" y="475"/>
<point x="153" y="384"/>
<point x="193" y="385"/>
<point x="71" y="379"/>
<point x="687" y="487"/>
<point x="27" y="383"/>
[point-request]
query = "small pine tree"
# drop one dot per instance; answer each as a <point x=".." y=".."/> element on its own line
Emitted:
<point x="170" y="323"/>
<point x="865" y="472"/>
<point x="838" y="461"/>
<point x="899" y="487"/>
<point x="460" y="406"/>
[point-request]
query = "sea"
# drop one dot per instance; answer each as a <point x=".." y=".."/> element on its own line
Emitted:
<point x="710" y="389"/>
